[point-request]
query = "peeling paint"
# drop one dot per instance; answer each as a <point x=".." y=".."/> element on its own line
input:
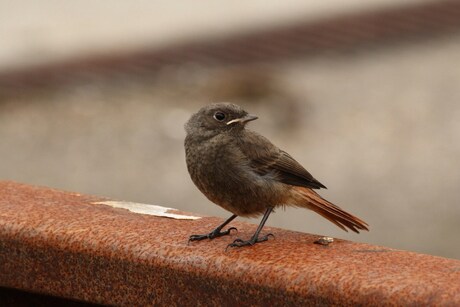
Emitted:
<point x="148" y="209"/>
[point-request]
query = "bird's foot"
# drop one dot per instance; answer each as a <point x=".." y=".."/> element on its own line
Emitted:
<point x="213" y="234"/>
<point x="252" y="241"/>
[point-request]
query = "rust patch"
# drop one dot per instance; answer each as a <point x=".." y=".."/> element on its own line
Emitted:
<point x="378" y="250"/>
<point x="62" y="244"/>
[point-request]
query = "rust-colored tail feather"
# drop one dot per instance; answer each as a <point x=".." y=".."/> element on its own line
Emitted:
<point x="311" y="200"/>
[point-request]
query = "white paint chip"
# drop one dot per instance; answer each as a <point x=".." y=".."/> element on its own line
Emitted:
<point x="148" y="209"/>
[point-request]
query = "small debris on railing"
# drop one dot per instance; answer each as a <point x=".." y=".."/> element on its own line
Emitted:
<point x="148" y="209"/>
<point x="324" y="241"/>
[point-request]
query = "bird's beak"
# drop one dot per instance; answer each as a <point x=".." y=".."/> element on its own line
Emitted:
<point x="243" y="120"/>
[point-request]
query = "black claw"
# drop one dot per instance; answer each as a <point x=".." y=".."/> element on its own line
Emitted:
<point x="211" y="235"/>
<point x="239" y="242"/>
<point x="232" y="228"/>
<point x="269" y="235"/>
<point x="264" y="238"/>
<point x="197" y="238"/>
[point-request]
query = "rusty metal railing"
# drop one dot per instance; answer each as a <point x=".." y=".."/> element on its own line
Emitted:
<point x="91" y="249"/>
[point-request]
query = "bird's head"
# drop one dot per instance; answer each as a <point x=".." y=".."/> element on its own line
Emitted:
<point x="217" y="118"/>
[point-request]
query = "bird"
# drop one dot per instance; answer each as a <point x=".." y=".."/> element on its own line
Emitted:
<point x="247" y="175"/>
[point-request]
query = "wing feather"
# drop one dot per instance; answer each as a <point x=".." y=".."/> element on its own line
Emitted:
<point x="265" y="158"/>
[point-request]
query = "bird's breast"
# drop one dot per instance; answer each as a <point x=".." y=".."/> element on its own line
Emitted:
<point x="223" y="174"/>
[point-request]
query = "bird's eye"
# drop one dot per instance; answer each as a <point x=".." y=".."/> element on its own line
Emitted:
<point x="219" y="116"/>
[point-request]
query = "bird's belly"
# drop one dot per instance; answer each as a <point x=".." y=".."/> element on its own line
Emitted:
<point x="235" y="187"/>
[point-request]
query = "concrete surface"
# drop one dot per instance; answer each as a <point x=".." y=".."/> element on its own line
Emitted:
<point x="34" y="33"/>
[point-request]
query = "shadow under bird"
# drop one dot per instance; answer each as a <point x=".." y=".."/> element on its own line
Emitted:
<point x="244" y="173"/>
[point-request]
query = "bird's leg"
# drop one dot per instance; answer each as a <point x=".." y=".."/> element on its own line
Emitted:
<point x="216" y="232"/>
<point x="255" y="238"/>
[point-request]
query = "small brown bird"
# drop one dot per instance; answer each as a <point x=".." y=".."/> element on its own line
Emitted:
<point x="246" y="174"/>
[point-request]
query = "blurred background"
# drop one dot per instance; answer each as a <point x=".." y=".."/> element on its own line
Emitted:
<point x="364" y="94"/>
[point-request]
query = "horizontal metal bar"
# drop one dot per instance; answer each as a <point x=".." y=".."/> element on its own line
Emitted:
<point x="91" y="249"/>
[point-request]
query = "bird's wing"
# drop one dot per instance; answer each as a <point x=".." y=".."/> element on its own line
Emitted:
<point x="265" y="158"/>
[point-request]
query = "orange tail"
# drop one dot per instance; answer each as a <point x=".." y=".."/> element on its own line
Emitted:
<point x="307" y="198"/>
